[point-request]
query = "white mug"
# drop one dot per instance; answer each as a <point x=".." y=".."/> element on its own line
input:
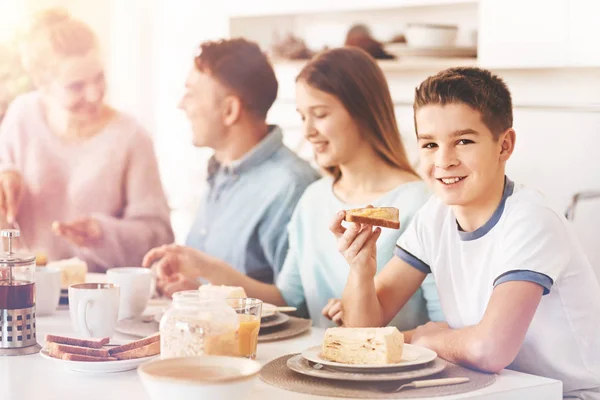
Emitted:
<point x="94" y="308"/>
<point x="137" y="285"/>
<point x="47" y="290"/>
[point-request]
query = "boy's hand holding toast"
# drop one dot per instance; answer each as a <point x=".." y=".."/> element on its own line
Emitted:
<point x="358" y="242"/>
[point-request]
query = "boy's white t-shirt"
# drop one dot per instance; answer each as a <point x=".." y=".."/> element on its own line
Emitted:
<point x="525" y="239"/>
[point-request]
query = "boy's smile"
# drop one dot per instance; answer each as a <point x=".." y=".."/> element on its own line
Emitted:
<point x="461" y="159"/>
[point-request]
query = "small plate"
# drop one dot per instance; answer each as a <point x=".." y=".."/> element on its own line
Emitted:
<point x="268" y="310"/>
<point x="411" y="356"/>
<point x="137" y="327"/>
<point x="99" y="366"/>
<point x="277" y="320"/>
<point x="301" y="365"/>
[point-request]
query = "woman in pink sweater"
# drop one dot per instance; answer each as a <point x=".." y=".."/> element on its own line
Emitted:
<point x="80" y="178"/>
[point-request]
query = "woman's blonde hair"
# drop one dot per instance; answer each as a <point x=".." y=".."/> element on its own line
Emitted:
<point x="52" y="35"/>
<point x="354" y="77"/>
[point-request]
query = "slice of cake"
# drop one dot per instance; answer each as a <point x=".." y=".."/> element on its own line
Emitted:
<point x="72" y="270"/>
<point x="231" y="292"/>
<point x="373" y="346"/>
<point x="387" y="217"/>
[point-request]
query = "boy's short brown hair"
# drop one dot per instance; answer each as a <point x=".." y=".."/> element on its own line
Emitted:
<point x="478" y="88"/>
<point x="243" y="68"/>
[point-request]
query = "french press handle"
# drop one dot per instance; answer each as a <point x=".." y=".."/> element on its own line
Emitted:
<point x="10" y="234"/>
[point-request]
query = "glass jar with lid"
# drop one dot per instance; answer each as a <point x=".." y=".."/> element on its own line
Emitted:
<point x="199" y="324"/>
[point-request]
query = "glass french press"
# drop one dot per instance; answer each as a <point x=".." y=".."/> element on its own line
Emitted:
<point x="17" y="300"/>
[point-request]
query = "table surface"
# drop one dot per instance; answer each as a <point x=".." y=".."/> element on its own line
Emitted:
<point x="35" y="378"/>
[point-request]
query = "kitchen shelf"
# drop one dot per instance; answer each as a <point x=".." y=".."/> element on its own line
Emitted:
<point x="404" y="64"/>
<point x="267" y="8"/>
<point x="423" y="63"/>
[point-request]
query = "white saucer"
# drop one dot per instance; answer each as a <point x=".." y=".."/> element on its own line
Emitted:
<point x="301" y="365"/>
<point x="411" y="356"/>
<point x="98" y="366"/>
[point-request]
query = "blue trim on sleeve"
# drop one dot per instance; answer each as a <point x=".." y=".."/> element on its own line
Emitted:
<point x="412" y="260"/>
<point x="526" y="275"/>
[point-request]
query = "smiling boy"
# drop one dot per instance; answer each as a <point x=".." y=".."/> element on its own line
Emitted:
<point x="515" y="287"/>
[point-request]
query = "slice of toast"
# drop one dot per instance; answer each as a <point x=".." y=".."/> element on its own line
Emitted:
<point x="76" y="357"/>
<point x="388" y="217"/>
<point x="93" y="343"/>
<point x="80" y="357"/>
<point x="134" y="345"/>
<point x="85" y="351"/>
<point x="148" y="350"/>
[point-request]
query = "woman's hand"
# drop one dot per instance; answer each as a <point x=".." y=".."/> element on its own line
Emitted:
<point x="357" y="243"/>
<point x="85" y="232"/>
<point x="334" y="311"/>
<point x="11" y="193"/>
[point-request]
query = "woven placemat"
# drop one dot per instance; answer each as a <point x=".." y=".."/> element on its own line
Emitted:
<point x="293" y="327"/>
<point x="277" y="373"/>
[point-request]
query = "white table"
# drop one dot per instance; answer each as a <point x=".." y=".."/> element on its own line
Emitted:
<point x="35" y="378"/>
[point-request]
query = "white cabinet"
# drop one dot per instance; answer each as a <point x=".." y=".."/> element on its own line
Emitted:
<point x="532" y="34"/>
<point x="584" y="33"/>
<point x="523" y="33"/>
<point x="257" y="8"/>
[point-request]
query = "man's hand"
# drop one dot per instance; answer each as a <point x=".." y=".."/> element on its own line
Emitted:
<point x="171" y="261"/>
<point x="178" y="284"/>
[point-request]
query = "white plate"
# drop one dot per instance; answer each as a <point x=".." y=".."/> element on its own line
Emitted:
<point x="100" y="366"/>
<point x="299" y="364"/>
<point x="411" y="356"/>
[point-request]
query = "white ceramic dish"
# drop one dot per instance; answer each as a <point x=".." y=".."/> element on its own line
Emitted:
<point x="223" y="378"/>
<point x="100" y="366"/>
<point x="412" y="356"/>
<point x="431" y="35"/>
<point x="402" y="50"/>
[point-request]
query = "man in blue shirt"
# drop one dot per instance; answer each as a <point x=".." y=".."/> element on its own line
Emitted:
<point x="254" y="180"/>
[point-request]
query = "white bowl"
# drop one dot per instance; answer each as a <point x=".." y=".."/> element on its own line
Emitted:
<point x="431" y="35"/>
<point x="205" y="377"/>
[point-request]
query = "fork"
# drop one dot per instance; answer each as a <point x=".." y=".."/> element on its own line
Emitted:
<point x="424" y="383"/>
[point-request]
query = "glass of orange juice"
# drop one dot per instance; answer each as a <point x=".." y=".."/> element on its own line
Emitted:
<point x="249" y="312"/>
